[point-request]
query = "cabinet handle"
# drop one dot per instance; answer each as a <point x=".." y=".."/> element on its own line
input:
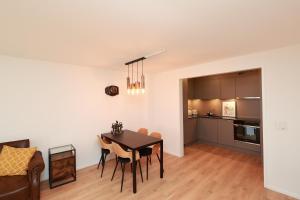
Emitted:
<point x="245" y="126"/>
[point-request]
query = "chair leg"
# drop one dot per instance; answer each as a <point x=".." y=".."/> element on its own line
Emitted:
<point x="131" y="167"/>
<point x="115" y="170"/>
<point x="123" y="171"/>
<point x="103" y="163"/>
<point x="150" y="160"/>
<point x="100" y="160"/>
<point x="141" y="170"/>
<point x="147" y="166"/>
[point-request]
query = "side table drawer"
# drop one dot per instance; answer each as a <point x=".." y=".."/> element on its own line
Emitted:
<point x="62" y="169"/>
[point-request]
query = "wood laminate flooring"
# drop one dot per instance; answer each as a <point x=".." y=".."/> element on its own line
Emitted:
<point x="205" y="172"/>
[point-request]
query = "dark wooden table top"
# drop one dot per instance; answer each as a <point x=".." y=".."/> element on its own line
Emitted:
<point x="132" y="140"/>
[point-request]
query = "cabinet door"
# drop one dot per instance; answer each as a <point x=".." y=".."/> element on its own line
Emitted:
<point x="190" y="127"/>
<point x="208" y="129"/>
<point x="227" y="88"/>
<point x="190" y="88"/>
<point x="199" y="88"/>
<point x="207" y="88"/>
<point x="248" y="84"/>
<point x="212" y="89"/>
<point x="226" y="132"/>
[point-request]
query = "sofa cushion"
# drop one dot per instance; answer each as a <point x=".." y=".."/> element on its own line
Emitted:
<point x="14" y="161"/>
<point x="14" y="187"/>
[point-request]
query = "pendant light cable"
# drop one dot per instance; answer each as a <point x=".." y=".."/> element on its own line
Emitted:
<point x="142" y="67"/>
<point x="132" y="73"/>
<point x="137" y="72"/>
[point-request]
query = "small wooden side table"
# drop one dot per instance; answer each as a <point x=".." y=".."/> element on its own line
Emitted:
<point x="62" y="165"/>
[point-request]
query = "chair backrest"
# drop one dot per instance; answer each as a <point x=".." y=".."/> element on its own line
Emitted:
<point x="156" y="135"/>
<point x="156" y="147"/>
<point x="16" y="144"/>
<point x="143" y="131"/>
<point x="119" y="150"/>
<point x="104" y="144"/>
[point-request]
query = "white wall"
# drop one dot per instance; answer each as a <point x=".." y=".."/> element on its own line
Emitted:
<point x="56" y="104"/>
<point x="281" y="97"/>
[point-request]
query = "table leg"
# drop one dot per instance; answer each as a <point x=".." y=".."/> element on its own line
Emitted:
<point x="134" y="171"/>
<point x="161" y="159"/>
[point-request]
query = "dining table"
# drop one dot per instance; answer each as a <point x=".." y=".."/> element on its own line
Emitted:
<point x="135" y="141"/>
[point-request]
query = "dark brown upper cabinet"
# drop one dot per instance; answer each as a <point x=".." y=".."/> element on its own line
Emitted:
<point x="248" y="84"/>
<point x="227" y="87"/>
<point x="207" y="88"/>
<point x="190" y="84"/>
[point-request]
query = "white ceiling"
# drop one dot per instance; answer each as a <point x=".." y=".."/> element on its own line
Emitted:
<point x="109" y="33"/>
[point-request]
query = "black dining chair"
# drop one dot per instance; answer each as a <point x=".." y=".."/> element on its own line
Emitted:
<point x="106" y="148"/>
<point x="149" y="151"/>
<point x="124" y="157"/>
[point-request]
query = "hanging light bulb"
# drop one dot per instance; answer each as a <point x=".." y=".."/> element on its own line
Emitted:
<point x="137" y="85"/>
<point x="132" y="84"/>
<point x="143" y="79"/>
<point x="128" y="81"/>
<point x="129" y="89"/>
<point x="133" y="89"/>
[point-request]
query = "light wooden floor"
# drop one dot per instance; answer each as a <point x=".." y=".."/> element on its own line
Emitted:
<point x="205" y="172"/>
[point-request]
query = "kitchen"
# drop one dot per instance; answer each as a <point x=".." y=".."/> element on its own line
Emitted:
<point x="224" y="110"/>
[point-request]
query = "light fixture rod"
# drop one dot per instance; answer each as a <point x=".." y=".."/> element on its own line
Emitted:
<point x="136" y="60"/>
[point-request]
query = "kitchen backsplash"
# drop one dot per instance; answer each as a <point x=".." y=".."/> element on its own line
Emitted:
<point x="244" y="108"/>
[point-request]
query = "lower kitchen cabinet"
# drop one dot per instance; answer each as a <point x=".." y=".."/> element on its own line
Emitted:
<point x="226" y="132"/>
<point x="208" y="129"/>
<point x="221" y="131"/>
<point x="190" y="127"/>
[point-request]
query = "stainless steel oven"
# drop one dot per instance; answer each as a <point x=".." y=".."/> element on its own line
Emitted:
<point x="247" y="131"/>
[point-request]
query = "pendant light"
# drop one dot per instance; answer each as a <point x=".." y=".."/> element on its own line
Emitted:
<point x="135" y="86"/>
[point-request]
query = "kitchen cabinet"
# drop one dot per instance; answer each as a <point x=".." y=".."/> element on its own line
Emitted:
<point x="207" y="88"/>
<point x="226" y="132"/>
<point x="221" y="131"/>
<point x="207" y="129"/>
<point x="248" y="84"/>
<point x="227" y="85"/>
<point x="190" y="131"/>
<point x="190" y="85"/>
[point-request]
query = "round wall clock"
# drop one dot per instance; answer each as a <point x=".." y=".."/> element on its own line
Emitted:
<point x="112" y="90"/>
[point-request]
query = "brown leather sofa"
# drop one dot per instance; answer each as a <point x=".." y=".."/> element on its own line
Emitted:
<point x="23" y="187"/>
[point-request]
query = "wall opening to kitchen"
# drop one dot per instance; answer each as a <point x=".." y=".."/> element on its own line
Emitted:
<point x="224" y="110"/>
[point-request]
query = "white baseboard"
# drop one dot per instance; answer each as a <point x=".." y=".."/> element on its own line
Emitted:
<point x="283" y="191"/>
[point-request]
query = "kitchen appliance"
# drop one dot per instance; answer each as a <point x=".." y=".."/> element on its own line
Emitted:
<point x="210" y="114"/>
<point x="195" y="113"/>
<point x="247" y="131"/>
<point x="190" y="113"/>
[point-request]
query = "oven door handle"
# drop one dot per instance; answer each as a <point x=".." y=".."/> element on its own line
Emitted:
<point x="246" y="126"/>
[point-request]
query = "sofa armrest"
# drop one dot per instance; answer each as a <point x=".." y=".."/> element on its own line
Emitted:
<point x="35" y="168"/>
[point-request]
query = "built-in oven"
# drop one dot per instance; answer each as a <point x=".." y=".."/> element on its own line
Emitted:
<point x="247" y="131"/>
